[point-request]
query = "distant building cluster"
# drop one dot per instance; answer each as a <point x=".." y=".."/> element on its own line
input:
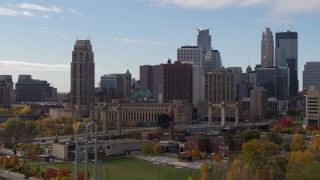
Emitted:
<point x="196" y="78"/>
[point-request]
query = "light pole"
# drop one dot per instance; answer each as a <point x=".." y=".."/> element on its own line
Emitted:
<point x="87" y="126"/>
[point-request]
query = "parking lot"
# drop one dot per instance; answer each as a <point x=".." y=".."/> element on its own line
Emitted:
<point x="172" y="162"/>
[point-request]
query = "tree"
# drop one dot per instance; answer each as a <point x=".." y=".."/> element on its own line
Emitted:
<point x="190" y="178"/>
<point x="218" y="157"/>
<point x="164" y="121"/>
<point x="315" y="145"/>
<point x="297" y="161"/>
<point x="5" y="161"/>
<point x="297" y="143"/>
<point x="157" y="149"/>
<point x="204" y="171"/>
<point x="196" y="154"/>
<point x="14" y="161"/>
<point x="13" y="134"/>
<point x="4" y="111"/>
<point x="259" y="147"/>
<point x="250" y="134"/>
<point x="17" y="109"/>
<point x="274" y="137"/>
<point x="50" y="174"/>
<point x="25" y="111"/>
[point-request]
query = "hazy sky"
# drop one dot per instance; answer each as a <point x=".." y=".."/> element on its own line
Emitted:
<point x="37" y="36"/>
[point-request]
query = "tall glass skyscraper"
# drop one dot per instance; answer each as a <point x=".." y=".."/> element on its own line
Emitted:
<point x="204" y="40"/>
<point x="267" y="49"/>
<point x="82" y="74"/>
<point x="286" y="55"/>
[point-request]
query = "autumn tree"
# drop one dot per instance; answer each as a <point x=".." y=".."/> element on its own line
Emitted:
<point x="190" y="178"/>
<point x="157" y="149"/>
<point x="147" y="148"/>
<point x="196" y="154"/>
<point x="25" y="111"/>
<point x="49" y="174"/>
<point x="218" y="157"/>
<point x="4" y="111"/>
<point x="14" y="161"/>
<point x="204" y="171"/>
<point x="16" y="110"/>
<point x="297" y="161"/>
<point x="5" y="161"/>
<point x="250" y="134"/>
<point x="13" y="134"/>
<point x="297" y="143"/>
<point x="315" y="145"/>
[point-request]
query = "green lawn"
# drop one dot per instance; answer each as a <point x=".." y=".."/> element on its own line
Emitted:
<point x="124" y="168"/>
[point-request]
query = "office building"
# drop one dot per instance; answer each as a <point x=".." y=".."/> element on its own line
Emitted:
<point x="108" y="82"/>
<point x="312" y="108"/>
<point x="30" y="90"/>
<point x="6" y="80"/>
<point x="212" y="60"/>
<point x="192" y="55"/>
<point x="5" y="93"/>
<point x="123" y="84"/>
<point x="204" y="40"/>
<point x="311" y="75"/>
<point x="258" y="103"/>
<point x="237" y="72"/>
<point x="274" y="80"/>
<point x="286" y="55"/>
<point x="267" y="49"/>
<point x="219" y="86"/>
<point x="177" y="82"/>
<point x="82" y="74"/>
<point x="146" y="78"/>
<point x="151" y="79"/>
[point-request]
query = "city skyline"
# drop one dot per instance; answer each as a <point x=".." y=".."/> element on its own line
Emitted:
<point x="38" y="36"/>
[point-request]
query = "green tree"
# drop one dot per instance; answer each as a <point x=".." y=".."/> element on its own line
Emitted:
<point x="297" y="143"/>
<point x="250" y="134"/>
<point x="274" y="137"/>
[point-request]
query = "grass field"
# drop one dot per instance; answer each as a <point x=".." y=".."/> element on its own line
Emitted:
<point x="124" y="168"/>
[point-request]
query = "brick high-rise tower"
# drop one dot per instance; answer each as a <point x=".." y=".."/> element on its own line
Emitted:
<point x="82" y="74"/>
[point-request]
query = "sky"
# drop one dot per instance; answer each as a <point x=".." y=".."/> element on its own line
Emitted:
<point x="37" y="36"/>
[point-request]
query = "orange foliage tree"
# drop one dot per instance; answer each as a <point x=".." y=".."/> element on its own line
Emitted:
<point x="14" y="160"/>
<point x="5" y="161"/>
<point x="218" y="157"/>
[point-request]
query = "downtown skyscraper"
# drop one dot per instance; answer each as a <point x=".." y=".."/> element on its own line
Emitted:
<point x="82" y="74"/>
<point x="204" y="40"/>
<point x="286" y="55"/>
<point x="267" y="49"/>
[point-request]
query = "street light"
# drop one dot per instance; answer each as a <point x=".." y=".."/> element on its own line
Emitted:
<point x="87" y="126"/>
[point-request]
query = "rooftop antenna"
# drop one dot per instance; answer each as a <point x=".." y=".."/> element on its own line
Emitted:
<point x="290" y="27"/>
